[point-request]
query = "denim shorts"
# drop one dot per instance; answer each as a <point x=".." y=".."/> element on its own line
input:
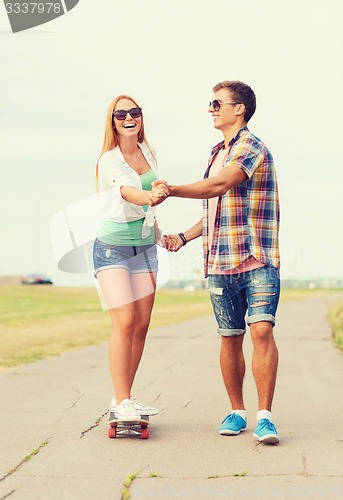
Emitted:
<point x="140" y="259"/>
<point x="232" y="295"/>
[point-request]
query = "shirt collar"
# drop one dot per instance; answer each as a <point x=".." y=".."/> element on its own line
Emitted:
<point x="146" y="152"/>
<point x="220" y="145"/>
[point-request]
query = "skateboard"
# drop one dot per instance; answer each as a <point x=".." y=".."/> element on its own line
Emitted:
<point x="139" y="427"/>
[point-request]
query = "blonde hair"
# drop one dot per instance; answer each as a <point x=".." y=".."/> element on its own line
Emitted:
<point x="111" y="137"/>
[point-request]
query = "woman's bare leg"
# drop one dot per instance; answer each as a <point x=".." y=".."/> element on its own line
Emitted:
<point x="143" y="287"/>
<point x="116" y="287"/>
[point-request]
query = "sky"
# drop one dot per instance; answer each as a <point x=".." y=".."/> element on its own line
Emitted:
<point x="58" y="79"/>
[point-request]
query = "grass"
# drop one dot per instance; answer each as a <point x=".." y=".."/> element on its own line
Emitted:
<point x="237" y="474"/>
<point x="336" y="320"/>
<point x="42" y="321"/>
<point x="126" y="495"/>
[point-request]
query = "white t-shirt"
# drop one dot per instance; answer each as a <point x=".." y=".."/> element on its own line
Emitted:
<point x="114" y="173"/>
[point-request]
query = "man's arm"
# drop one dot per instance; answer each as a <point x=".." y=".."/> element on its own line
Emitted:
<point x="173" y="241"/>
<point x="210" y="188"/>
<point x="194" y="232"/>
<point x="227" y="178"/>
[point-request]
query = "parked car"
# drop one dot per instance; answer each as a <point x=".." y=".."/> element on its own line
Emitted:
<point x="36" y="279"/>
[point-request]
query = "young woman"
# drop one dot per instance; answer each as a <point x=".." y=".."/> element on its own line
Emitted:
<point x="124" y="254"/>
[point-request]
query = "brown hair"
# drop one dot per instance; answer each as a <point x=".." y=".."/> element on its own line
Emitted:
<point x="240" y="93"/>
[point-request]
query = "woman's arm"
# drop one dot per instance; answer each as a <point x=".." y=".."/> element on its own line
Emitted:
<point x="114" y="175"/>
<point x="159" y="239"/>
<point x="140" y="197"/>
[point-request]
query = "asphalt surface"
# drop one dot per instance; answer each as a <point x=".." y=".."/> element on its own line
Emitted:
<point x="53" y="420"/>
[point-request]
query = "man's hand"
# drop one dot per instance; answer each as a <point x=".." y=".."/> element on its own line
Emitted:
<point x="159" y="182"/>
<point x="173" y="242"/>
<point x="159" y="192"/>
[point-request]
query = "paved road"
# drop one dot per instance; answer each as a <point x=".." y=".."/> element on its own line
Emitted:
<point x="53" y="421"/>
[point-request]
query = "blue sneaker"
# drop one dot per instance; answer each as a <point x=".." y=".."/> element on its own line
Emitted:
<point x="265" y="432"/>
<point x="232" y="425"/>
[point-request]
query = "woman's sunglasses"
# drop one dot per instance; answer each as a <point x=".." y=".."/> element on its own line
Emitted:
<point x="216" y="104"/>
<point x="121" y="114"/>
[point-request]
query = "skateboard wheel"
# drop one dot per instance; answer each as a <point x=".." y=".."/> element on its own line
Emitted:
<point x="144" y="432"/>
<point x="112" y="432"/>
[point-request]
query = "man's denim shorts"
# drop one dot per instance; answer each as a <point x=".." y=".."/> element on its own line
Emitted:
<point x="135" y="259"/>
<point x="232" y="295"/>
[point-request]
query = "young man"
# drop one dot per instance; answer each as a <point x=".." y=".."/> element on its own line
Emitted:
<point x="240" y="230"/>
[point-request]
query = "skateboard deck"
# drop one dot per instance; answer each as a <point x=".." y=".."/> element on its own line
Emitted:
<point x="120" y="428"/>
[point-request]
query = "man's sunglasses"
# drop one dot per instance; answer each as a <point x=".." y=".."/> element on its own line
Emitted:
<point x="216" y="104"/>
<point x="121" y="114"/>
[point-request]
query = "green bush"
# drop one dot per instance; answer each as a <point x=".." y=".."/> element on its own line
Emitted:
<point x="336" y="320"/>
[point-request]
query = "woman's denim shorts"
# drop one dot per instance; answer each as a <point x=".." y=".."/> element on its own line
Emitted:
<point x="233" y="295"/>
<point x="140" y="259"/>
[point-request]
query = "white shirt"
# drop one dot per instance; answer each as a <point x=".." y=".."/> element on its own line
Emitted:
<point x="114" y="173"/>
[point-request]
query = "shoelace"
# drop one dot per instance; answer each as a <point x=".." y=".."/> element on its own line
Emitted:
<point x="127" y="404"/>
<point x="266" y="424"/>
<point x="135" y="402"/>
<point x="230" y="418"/>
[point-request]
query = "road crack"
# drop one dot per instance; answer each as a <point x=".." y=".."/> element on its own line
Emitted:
<point x="75" y="402"/>
<point x="7" y="495"/>
<point x="26" y="459"/>
<point x="93" y="426"/>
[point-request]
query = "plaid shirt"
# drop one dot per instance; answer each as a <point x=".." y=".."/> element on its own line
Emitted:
<point x="247" y="217"/>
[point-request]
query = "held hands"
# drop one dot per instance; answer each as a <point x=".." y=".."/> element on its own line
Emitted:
<point x="159" y="192"/>
<point x="172" y="242"/>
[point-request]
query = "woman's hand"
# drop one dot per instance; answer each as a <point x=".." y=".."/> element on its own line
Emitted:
<point x="173" y="242"/>
<point x="159" y="192"/>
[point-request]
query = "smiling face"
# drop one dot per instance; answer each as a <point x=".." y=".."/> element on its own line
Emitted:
<point x="128" y="127"/>
<point x="230" y="114"/>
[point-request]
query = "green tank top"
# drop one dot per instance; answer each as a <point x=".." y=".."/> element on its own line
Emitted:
<point x="128" y="233"/>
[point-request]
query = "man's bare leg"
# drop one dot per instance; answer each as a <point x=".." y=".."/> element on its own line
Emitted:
<point x="264" y="362"/>
<point x="233" y="369"/>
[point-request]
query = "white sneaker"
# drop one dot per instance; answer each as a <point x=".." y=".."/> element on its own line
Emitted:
<point x="143" y="409"/>
<point x="139" y="407"/>
<point x="126" y="411"/>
